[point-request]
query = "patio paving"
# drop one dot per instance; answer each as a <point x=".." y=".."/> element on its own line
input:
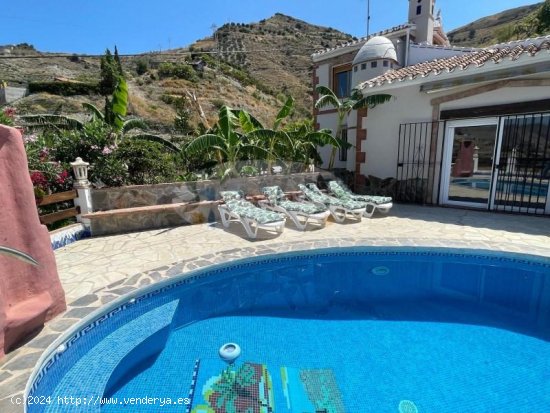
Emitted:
<point x="98" y="270"/>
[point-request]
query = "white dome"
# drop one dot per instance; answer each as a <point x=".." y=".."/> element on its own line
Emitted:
<point x="379" y="47"/>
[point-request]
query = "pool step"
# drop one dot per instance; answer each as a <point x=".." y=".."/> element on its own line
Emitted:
<point x="90" y="376"/>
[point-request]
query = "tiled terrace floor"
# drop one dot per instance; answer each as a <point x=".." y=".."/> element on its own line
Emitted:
<point x="98" y="270"/>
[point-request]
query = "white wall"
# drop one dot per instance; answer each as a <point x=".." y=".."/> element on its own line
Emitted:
<point x="420" y="53"/>
<point x="501" y="96"/>
<point x="328" y="121"/>
<point x="381" y="147"/>
<point x="323" y="73"/>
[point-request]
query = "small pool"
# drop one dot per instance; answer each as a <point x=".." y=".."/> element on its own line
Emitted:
<point x="534" y="189"/>
<point x="339" y="330"/>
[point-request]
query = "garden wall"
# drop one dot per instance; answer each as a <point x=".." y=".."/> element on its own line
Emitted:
<point x="147" y="195"/>
<point x="144" y="207"/>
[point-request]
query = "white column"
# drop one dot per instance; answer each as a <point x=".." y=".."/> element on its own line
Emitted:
<point x="84" y="190"/>
<point x="476" y="159"/>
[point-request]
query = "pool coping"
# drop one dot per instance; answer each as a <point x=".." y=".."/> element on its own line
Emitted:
<point x="107" y="298"/>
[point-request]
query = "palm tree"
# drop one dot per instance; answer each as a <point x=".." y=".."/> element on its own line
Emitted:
<point x="356" y="101"/>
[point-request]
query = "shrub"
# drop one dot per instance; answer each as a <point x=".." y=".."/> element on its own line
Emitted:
<point x="64" y="88"/>
<point x="147" y="162"/>
<point x="6" y="116"/>
<point x="178" y="70"/>
<point x="48" y="175"/>
<point x="142" y="66"/>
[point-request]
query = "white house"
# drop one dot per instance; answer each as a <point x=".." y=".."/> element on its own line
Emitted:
<point x="464" y="127"/>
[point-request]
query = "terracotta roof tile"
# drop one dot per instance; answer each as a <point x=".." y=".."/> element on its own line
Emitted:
<point x="494" y="54"/>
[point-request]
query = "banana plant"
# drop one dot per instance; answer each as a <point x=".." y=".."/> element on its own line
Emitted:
<point x="11" y="252"/>
<point x="227" y="143"/>
<point x="289" y="143"/>
<point x="344" y="106"/>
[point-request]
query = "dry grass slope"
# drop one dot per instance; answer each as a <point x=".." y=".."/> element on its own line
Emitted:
<point x="260" y="63"/>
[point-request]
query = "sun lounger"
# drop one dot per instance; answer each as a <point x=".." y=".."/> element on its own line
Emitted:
<point x="380" y="203"/>
<point x="236" y="209"/>
<point x="301" y="213"/>
<point x="339" y="209"/>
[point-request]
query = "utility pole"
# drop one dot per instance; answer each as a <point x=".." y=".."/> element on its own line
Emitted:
<point x="368" y="18"/>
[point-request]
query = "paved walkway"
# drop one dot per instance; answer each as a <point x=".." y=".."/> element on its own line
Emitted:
<point x="94" y="263"/>
<point x="98" y="270"/>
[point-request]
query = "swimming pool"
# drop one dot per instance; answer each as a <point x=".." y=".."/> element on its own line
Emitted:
<point x="346" y="330"/>
<point x="534" y="189"/>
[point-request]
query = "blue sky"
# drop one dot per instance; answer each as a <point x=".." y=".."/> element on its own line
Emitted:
<point x="90" y="26"/>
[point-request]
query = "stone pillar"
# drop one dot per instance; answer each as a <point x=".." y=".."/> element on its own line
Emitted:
<point x="29" y="295"/>
<point x="84" y="190"/>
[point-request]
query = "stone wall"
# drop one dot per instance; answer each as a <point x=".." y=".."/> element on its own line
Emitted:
<point x="9" y="94"/>
<point x="145" y="207"/>
<point x="173" y="193"/>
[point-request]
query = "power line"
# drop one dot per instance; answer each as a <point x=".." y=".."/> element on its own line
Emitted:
<point x="152" y="54"/>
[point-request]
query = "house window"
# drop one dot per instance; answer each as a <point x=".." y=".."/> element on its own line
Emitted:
<point x="418" y="10"/>
<point x="355" y="68"/>
<point x="363" y="66"/>
<point x="341" y="80"/>
<point x="386" y="63"/>
<point x="373" y="64"/>
<point x="343" y="150"/>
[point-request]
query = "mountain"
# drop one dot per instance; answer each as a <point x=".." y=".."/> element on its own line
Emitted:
<point x="508" y="25"/>
<point x="251" y="66"/>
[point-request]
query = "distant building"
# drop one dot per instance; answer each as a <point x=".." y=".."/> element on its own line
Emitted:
<point x="465" y="127"/>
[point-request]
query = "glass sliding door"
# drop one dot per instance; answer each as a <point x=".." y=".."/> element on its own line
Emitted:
<point x="523" y="177"/>
<point x="468" y="162"/>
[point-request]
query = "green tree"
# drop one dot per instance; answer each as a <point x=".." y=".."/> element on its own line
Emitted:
<point x="543" y="17"/>
<point x="118" y="63"/>
<point x="111" y="71"/>
<point x="505" y="33"/>
<point x="356" y="101"/>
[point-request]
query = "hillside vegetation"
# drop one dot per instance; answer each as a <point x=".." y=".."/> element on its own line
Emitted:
<point x="513" y="24"/>
<point x="249" y="66"/>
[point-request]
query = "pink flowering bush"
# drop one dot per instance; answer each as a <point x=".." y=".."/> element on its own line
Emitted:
<point x="48" y="175"/>
<point x="7" y="116"/>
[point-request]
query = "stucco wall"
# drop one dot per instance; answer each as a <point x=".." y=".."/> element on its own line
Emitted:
<point x="323" y="73"/>
<point x="329" y="121"/>
<point x="382" y="123"/>
<point x="501" y="96"/>
<point x="421" y="53"/>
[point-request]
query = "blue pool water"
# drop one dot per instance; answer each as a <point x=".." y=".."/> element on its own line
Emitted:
<point x="534" y="189"/>
<point x="347" y="330"/>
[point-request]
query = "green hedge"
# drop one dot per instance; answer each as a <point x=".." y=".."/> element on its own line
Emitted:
<point x="64" y="88"/>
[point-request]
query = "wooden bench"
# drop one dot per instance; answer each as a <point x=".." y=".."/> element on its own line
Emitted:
<point x="142" y="218"/>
